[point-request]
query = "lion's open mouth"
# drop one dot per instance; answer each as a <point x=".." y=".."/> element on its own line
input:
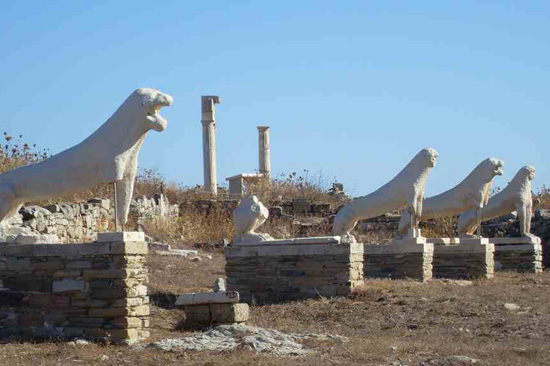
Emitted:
<point x="498" y="170"/>
<point x="153" y="114"/>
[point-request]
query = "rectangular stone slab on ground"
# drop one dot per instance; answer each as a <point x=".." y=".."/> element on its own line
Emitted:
<point x="283" y="272"/>
<point x="196" y="298"/>
<point x="463" y="258"/>
<point x="206" y="315"/>
<point x="404" y="258"/>
<point x="522" y="254"/>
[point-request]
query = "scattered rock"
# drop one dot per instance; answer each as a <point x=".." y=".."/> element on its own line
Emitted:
<point x="219" y="285"/>
<point x="511" y="306"/>
<point x="229" y="337"/>
<point x="450" y="361"/>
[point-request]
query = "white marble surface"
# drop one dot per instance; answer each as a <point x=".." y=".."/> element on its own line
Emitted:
<point x="249" y="216"/>
<point x="109" y="155"/>
<point x="404" y="190"/>
<point x="208" y="120"/>
<point x="516" y="196"/>
<point x="471" y="193"/>
<point x="296" y="241"/>
<point x="198" y="298"/>
<point x="123" y="236"/>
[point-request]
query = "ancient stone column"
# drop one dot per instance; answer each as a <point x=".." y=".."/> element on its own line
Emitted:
<point x="264" y="150"/>
<point x="209" y="143"/>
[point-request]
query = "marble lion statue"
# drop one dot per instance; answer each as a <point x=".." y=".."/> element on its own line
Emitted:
<point x="515" y="197"/>
<point x="109" y="155"/>
<point x="249" y="216"/>
<point x="470" y="194"/>
<point x="406" y="189"/>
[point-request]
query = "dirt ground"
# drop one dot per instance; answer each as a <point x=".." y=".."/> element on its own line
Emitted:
<point x="387" y="322"/>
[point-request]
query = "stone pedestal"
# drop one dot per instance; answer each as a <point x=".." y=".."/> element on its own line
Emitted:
<point x="404" y="258"/>
<point x="64" y="291"/>
<point x="518" y="254"/>
<point x="237" y="183"/>
<point x="462" y="258"/>
<point x="205" y="309"/>
<point x="292" y="269"/>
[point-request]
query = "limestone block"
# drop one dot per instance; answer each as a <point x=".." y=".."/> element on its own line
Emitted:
<point x="29" y="320"/>
<point x="68" y="273"/>
<point x="229" y="313"/>
<point x="220" y="285"/>
<point x="124" y="236"/>
<point x="310" y="240"/>
<point x="128" y="322"/>
<point x="142" y="310"/>
<point x="79" y="265"/>
<point x="197" y="298"/>
<point x="68" y="285"/>
<point x="19" y="265"/>
<point x="471" y="258"/>
<point x="47" y="265"/>
<point x="37" y="239"/>
<point x="111" y="273"/>
<point x="129" y="301"/>
<point x="197" y="314"/>
<point x="263" y="250"/>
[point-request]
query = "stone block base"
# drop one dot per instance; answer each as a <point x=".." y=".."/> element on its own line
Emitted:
<point x="275" y="272"/>
<point x="206" y="315"/>
<point x="518" y="254"/>
<point x="462" y="258"/>
<point x="64" y="291"/>
<point x="407" y="258"/>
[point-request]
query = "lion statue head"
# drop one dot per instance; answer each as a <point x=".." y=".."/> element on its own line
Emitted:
<point x="528" y="171"/>
<point x="488" y="169"/>
<point x="144" y="104"/>
<point x="430" y="156"/>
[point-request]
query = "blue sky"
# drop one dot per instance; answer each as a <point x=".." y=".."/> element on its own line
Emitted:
<point x="351" y="89"/>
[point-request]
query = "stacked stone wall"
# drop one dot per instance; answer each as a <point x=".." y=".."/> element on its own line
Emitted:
<point x="80" y="222"/>
<point x="93" y="291"/>
<point x="279" y="272"/>
<point x="397" y="261"/>
<point x="464" y="261"/>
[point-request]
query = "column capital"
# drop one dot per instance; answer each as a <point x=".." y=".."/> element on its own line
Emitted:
<point x="263" y="128"/>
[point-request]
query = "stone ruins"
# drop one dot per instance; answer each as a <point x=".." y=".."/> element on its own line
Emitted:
<point x="109" y="155"/>
<point x="98" y="290"/>
<point x="208" y="121"/>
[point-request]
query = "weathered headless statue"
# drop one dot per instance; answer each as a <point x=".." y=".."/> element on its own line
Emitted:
<point x="109" y="155"/>
<point x="516" y="196"/>
<point x="249" y="216"/>
<point x="404" y="190"/>
<point x="470" y="194"/>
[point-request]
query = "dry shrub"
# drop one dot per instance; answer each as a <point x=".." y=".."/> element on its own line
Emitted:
<point x="382" y="236"/>
<point x="542" y="199"/>
<point x="443" y="227"/>
<point x="191" y="227"/>
<point x="16" y="153"/>
<point x="309" y="187"/>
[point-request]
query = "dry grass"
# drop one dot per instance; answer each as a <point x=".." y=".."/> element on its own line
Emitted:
<point x="293" y="186"/>
<point x="542" y="199"/>
<point x="421" y="321"/>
